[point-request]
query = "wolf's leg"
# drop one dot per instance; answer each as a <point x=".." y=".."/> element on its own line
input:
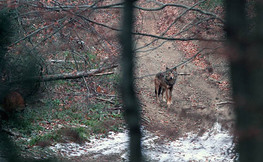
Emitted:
<point x="169" y="97"/>
<point x="157" y="96"/>
<point x="163" y="90"/>
<point x="157" y="91"/>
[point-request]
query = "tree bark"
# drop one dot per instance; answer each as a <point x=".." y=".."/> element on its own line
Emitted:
<point x="247" y="77"/>
<point x="77" y="74"/>
<point x="64" y="76"/>
<point x="130" y="101"/>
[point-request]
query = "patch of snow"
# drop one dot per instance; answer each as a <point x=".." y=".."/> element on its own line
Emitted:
<point x="211" y="146"/>
<point x="114" y="143"/>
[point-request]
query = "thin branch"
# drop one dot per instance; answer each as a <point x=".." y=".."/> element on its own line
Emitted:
<point x="104" y="73"/>
<point x="190" y="25"/>
<point x="68" y="7"/>
<point x="182" y="63"/>
<point x="151" y="35"/>
<point x="168" y="27"/>
<point x="191" y="58"/>
<point x="106" y="100"/>
<point x="169" y="38"/>
<point x="43" y="40"/>
<point x="99" y="24"/>
<point x="65" y="61"/>
<point x="154" y="36"/>
<point x="151" y="49"/>
<point x="225" y="102"/>
<point x="31" y="34"/>
<point x="184" y="74"/>
<point x="183" y="13"/>
<point x="162" y="6"/>
<point x="180" y="39"/>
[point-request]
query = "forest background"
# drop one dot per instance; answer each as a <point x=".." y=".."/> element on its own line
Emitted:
<point x="63" y="57"/>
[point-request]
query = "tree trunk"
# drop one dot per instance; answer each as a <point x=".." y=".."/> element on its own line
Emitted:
<point x="247" y="77"/>
<point x="130" y="101"/>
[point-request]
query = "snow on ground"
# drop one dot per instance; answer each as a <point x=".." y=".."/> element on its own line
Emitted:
<point x="213" y="145"/>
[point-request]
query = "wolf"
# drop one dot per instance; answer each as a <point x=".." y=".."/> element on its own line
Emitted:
<point x="164" y="82"/>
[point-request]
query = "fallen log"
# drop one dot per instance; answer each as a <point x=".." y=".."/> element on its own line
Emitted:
<point x="64" y="76"/>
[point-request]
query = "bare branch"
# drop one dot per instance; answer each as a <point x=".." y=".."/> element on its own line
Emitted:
<point x="225" y="102"/>
<point x="179" y="39"/>
<point x="96" y="23"/>
<point x="49" y="36"/>
<point x="153" y="36"/>
<point x="31" y="34"/>
<point x="68" y="7"/>
<point x="162" y="6"/>
<point x="182" y="63"/>
<point x="172" y="38"/>
<point x="106" y="100"/>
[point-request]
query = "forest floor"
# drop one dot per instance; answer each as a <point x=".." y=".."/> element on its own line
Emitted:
<point x="198" y="99"/>
<point x="197" y="126"/>
<point x="199" y="104"/>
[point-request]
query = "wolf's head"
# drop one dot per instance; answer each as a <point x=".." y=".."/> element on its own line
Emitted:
<point x="171" y="74"/>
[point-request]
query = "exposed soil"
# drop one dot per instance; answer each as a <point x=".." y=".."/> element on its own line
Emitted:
<point x="197" y="101"/>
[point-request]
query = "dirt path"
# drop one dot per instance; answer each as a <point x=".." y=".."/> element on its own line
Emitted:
<point x="198" y="103"/>
<point x="194" y="109"/>
<point x="196" y="100"/>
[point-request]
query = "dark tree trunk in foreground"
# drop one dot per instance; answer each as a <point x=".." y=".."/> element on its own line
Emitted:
<point x="130" y="101"/>
<point x="246" y="59"/>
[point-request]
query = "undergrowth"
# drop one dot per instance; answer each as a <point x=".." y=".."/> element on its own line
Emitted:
<point x="93" y="119"/>
<point x="66" y="116"/>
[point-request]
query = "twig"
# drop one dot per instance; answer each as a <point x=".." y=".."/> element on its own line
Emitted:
<point x="65" y="61"/>
<point x="29" y="35"/>
<point x="184" y="74"/>
<point x="182" y="63"/>
<point x="161" y="36"/>
<point x="163" y="5"/>
<point x="68" y="7"/>
<point x="106" y="100"/>
<point x="105" y="73"/>
<point x="151" y="35"/>
<point x="225" y="102"/>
